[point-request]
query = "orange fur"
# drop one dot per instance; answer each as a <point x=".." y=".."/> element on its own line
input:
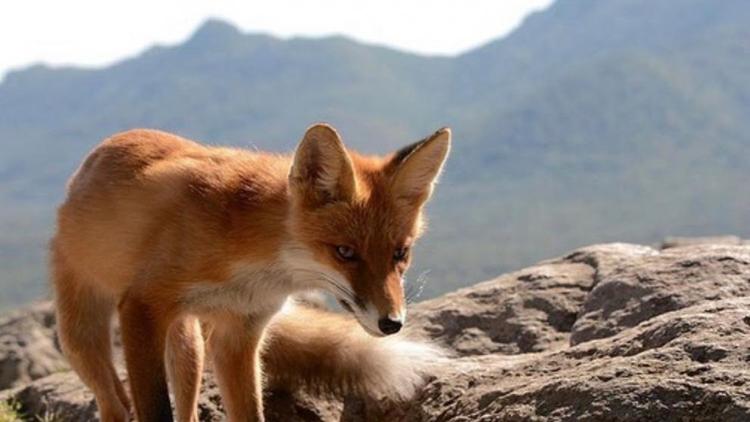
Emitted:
<point x="169" y="231"/>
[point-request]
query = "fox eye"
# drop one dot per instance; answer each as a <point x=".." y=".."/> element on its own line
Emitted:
<point x="346" y="252"/>
<point x="400" y="254"/>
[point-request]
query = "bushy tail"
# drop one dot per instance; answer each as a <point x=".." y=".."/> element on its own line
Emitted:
<point x="330" y="353"/>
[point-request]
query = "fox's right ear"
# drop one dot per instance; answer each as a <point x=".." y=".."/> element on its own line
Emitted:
<point x="322" y="170"/>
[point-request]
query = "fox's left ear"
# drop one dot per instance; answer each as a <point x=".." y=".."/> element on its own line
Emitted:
<point x="418" y="166"/>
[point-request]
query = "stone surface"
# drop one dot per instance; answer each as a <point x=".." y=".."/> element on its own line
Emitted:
<point x="609" y="332"/>
<point x="689" y="365"/>
<point x="531" y="310"/>
<point x="678" y="241"/>
<point x="27" y="345"/>
<point x="629" y="292"/>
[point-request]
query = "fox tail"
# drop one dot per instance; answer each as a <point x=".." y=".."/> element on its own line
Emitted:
<point x="325" y="352"/>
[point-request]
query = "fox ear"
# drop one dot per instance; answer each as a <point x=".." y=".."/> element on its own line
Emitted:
<point x="418" y="166"/>
<point x="322" y="170"/>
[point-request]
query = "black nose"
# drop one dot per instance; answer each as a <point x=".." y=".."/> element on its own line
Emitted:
<point x="389" y="326"/>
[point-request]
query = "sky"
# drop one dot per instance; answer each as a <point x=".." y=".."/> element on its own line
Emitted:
<point x="95" y="33"/>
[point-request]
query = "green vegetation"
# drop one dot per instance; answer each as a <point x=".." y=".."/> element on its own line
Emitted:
<point x="9" y="411"/>
<point x="624" y="120"/>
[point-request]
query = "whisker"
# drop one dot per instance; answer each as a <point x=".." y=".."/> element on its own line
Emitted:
<point x="415" y="289"/>
<point x="324" y="276"/>
<point x="337" y="285"/>
<point x="317" y="278"/>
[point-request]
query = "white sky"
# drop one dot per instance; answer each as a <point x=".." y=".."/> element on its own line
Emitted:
<point x="99" y="32"/>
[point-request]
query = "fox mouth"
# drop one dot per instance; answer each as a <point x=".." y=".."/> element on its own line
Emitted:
<point x="370" y="331"/>
<point x="351" y="304"/>
<point x="347" y="306"/>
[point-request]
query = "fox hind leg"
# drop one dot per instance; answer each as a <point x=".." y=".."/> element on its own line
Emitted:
<point x="144" y="334"/>
<point x="84" y="319"/>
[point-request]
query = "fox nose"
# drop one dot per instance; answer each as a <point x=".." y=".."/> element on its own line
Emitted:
<point x="389" y="326"/>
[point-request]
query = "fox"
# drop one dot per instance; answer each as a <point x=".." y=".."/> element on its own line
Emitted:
<point x="174" y="236"/>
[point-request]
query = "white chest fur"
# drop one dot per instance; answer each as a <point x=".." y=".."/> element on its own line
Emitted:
<point x="258" y="288"/>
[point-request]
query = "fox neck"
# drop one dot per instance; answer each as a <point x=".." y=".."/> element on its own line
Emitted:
<point x="263" y="250"/>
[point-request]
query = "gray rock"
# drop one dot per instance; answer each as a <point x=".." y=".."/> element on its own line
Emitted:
<point x="689" y="365"/>
<point x="678" y="241"/>
<point x="632" y="288"/>
<point x="531" y="310"/>
<point x="607" y="333"/>
<point x="62" y="397"/>
<point x="27" y="345"/>
<point x="58" y="397"/>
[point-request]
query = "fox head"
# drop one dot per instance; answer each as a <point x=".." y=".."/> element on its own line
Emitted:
<point x="355" y="218"/>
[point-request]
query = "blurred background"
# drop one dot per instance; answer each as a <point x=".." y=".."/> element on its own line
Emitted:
<point x="575" y="121"/>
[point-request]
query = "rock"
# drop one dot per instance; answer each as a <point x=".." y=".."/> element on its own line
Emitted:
<point x="62" y="397"/>
<point x="531" y="310"/>
<point x="627" y="292"/>
<point x="609" y="332"/>
<point x="690" y="365"/>
<point x="678" y="242"/>
<point x="27" y="345"/>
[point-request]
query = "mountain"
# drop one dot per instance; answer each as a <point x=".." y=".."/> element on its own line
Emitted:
<point x="593" y="121"/>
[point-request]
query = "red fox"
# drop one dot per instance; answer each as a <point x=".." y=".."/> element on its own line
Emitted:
<point x="174" y="234"/>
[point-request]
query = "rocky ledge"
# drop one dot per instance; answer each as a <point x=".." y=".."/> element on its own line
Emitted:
<point x="609" y="332"/>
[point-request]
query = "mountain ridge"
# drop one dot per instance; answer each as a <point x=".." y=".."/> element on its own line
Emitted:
<point x="591" y="122"/>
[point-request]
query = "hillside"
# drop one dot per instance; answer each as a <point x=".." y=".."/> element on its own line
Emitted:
<point x="593" y="121"/>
